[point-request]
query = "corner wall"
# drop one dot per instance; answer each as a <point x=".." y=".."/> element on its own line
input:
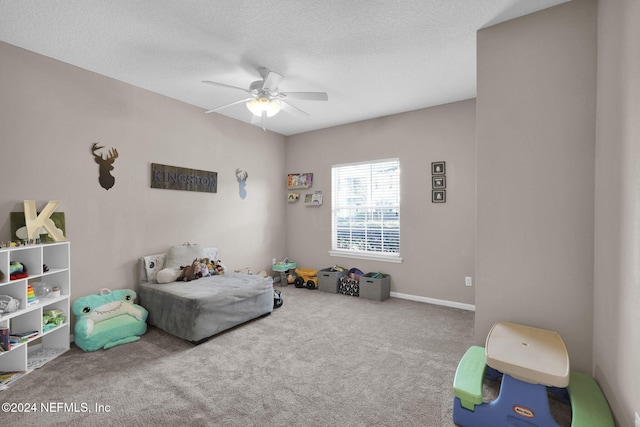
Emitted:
<point x="437" y="240"/>
<point x="52" y="112"/>
<point x="536" y="161"/>
<point x="617" y="209"/>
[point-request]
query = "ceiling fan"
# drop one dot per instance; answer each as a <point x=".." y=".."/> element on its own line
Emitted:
<point x="266" y="100"/>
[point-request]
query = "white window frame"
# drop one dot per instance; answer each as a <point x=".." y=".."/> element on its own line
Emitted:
<point x="337" y="204"/>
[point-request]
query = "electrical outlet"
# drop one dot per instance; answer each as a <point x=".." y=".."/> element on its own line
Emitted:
<point x="467" y="281"/>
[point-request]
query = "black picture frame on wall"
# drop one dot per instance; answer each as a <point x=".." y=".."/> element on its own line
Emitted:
<point x="437" y="168"/>
<point x="439" y="196"/>
<point x="439" y="181"/>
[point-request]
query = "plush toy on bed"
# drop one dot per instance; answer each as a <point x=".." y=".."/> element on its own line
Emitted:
<point x="190" y="272"/>
<point x="108" y="319"/>
<point x="218" y="268"/>
<point x="204" y="267"/>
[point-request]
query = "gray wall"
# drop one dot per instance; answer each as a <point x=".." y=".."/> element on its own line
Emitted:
<point x="437" y="240"/>
<point x="52" y="113"/>
<point x="536" y="161"/>
<point x="617" y="213"/>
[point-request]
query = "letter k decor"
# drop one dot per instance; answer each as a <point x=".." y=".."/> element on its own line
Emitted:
<point x="34" y="221"/>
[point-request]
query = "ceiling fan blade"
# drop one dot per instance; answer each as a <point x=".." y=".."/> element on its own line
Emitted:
<point x="309" y="96"/>
<point x="294" y="111"/>
<point x="224" y="85"/>
<point x="228" y="105"/>
<point x="272" y="80"/>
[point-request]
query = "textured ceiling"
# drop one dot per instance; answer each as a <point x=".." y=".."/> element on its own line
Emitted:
<point x="373" y="58"/>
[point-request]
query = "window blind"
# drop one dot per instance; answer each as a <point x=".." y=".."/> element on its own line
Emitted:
<point x="366" y="207"/>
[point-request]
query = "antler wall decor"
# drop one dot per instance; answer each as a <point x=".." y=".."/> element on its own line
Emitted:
<point x="106" y="166"/>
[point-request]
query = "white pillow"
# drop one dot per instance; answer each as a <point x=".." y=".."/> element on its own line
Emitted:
<point x="211" y="253"/>
<point x="183" y="255"/>
<point x="152" y="265"/>
<point x="168" y="275"/>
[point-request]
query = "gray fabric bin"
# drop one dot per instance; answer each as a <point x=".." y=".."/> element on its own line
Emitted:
<point x="377" y="289"/>
<point x="328" y="281"/>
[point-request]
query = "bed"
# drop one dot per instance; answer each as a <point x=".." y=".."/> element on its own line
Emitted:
<point x="198" y="309"/>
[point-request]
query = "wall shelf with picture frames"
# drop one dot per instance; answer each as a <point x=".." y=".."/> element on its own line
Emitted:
<point x="299" y="180"/>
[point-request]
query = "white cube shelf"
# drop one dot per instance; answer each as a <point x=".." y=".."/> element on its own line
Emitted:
<point x="45" y="346"/>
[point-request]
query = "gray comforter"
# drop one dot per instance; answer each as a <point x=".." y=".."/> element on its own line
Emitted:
<point x="201" y="308"/>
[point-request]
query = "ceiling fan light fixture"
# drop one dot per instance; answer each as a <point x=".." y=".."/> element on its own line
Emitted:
<point x="269" y="106"/>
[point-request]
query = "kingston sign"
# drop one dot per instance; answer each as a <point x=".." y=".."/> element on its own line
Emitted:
<point x="177" y="178"/>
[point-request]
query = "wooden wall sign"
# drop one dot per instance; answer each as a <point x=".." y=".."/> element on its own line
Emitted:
<point x="177" y="178"/>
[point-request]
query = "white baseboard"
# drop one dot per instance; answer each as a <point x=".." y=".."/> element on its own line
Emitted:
<point x="435" y="301"/>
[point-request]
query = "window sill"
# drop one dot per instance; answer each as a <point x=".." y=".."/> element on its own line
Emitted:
<point x="370" y="257"/>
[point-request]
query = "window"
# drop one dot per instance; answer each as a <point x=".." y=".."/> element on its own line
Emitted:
<point x="365" y="210"/>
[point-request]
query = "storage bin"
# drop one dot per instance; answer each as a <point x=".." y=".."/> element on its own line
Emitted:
<point x="375" y="286"/>
<point x="329" y="281"/>
<point x="349" y="286"/>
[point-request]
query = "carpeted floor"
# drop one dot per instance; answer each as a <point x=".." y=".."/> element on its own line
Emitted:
<point x="320" y="360"/>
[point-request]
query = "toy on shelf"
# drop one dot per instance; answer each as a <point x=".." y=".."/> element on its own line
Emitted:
<point x="5" y="340"/>
<point x="17" y="270"/>
<point x="31" y="295"/>
<point x="20" y="337"/>
<point x="52" y="318"/>
<point x="41" y="289"/>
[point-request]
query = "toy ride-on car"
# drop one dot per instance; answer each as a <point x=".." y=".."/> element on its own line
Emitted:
<point x="306" y="278"/>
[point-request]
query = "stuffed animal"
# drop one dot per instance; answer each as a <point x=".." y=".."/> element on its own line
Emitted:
<point x="190" y="272"/>
<point x="52" y="318"/>
<point x="203" y="267"/>
<point x="218" y="268"/>
<point x="108" y="319"/>
<point x="211" y="267"/>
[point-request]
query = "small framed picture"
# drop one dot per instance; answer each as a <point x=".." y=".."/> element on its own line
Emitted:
<point x="438" y="196"/>
<point x="439" y="181"/>
<point x="437" y="168"/>
<point x="293" y="197"/>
